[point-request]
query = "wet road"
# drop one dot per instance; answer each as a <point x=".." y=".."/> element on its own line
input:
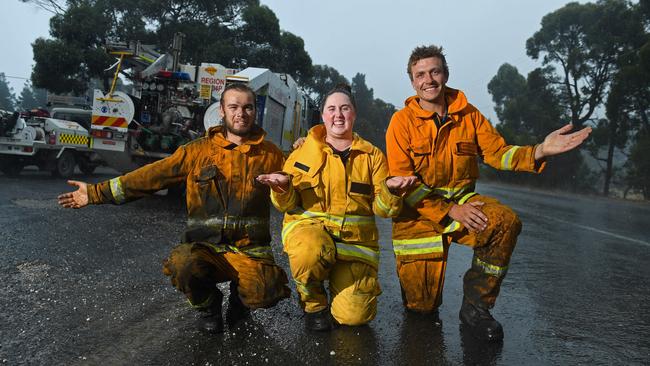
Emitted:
<point x="85" y="287"/>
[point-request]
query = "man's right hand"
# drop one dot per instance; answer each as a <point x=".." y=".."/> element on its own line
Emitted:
<point x="76" y="199"/>
<point x="470" y="215"/>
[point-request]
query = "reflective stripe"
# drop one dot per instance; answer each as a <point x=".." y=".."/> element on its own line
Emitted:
<point x="116" y="190"/>
<point x="506" y="159"/>
<point x="291" y="203"/>
<point x="204" y="304"/>
<point x="417" y="195"/>
<point x="422" y="191"/>
<point x="305" y="288"/>
<point x="384" y="207"/>
<point x="228" y="222"/>
<point x="466" y="197"/>
<point x="490" y="269"/>
<point x="262" y="251"/>
<point x="428" y="245"/>
<point x="325" y="217"/>
<point x="363" y="252"/>
<point x="455" y="225"/>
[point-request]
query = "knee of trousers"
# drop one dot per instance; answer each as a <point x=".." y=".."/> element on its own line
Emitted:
<point x="310" y="247"/>
<point x="184" y="266"/>
<point x="503" y="218"/>
<point x="261" y="284"/>
<point x="355" y="289"/>
<point x="422" y="283"/>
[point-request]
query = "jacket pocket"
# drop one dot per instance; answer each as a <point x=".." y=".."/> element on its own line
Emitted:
<point x="311" y="192"/>
<point x="420" y="153"/>
<point x="465" y="160"/>
<point x="205" y="190"/>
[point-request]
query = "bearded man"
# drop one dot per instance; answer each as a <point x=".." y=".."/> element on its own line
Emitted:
<point x="227" y="236"/>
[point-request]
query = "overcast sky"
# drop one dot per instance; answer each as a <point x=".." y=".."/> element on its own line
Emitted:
<point x="371" y="37"/>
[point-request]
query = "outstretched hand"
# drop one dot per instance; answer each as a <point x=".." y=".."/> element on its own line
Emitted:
<point x="399" y="185"/>
<point x="277" y="181"/>
<point x="76" y="199"/>
<point x="560" y="141"/>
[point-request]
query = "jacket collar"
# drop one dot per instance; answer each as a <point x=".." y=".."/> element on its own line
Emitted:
<point x="217" y="134"/>
<point x="456" y="102"/>
<point x="316" y="149"/>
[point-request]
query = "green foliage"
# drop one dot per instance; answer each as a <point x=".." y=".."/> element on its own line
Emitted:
<point x="528" y="109"/>
<point x="235" y="33"/>
<point x="581" y="44"/>
<point x="373" y="115"/>
<point x="7" y="97"/>
<point x="32" y="98"/>
<point x="638" y="165"/>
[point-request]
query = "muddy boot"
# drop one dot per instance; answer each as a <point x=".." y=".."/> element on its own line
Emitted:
<point x="237" y="311"/>
<point x="319" y="321"/>
<point x="210" y="319"/>
<point x="480" y="322"/>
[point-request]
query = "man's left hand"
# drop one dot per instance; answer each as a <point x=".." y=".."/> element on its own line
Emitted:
<point x="399" y="185"/>
<point x="560" y="141"/>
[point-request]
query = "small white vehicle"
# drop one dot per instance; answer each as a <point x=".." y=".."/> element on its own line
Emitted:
<point x="50" y="143"/>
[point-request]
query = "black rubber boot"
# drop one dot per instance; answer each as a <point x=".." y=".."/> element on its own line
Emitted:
<point x="211" y="320"/>
<point x="236" y="311"/>
<point x="481" y="323"/>
<point x="320" y="321"/>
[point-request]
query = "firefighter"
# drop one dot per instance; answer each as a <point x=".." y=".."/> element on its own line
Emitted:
<point x="330" y="190"/>
<point x="227" y="236"/>
<point x="439" y="137"/>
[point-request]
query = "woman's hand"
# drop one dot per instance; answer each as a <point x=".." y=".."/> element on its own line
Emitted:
<point x="278" y="182"/>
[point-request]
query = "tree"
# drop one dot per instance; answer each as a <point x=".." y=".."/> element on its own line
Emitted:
<point x="529" y="109"/>
<point x="32" y="98"/>
<point x="325" y="79"/>
<point x="235" y="33"/>
<point x="583" y="45"/>
<point x="7" y="97"/>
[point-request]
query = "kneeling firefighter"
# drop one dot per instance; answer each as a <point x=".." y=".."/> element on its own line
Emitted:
<point x="330" y="190"/>
<point x="227" y="238"/>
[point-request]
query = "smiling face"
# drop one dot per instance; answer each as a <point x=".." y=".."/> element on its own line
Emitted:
<point x="238" y="112"/>
<point x="339" y="116"/>
<point x="429" y="79"/>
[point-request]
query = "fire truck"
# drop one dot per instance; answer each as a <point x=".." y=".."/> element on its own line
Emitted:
<point x="48" y="140"/>
<point x="170" y="104"/>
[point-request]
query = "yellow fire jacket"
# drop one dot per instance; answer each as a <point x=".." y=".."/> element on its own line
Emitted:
<point x="226" y="208"/>
<point x="344" y="198"/>
<point x="446" y="161"/>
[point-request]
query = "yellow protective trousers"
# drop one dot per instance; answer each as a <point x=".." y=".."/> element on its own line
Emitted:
<point x="422" y="280"/>
<point x="353" y="285"/>
<point x="195" y="269"/>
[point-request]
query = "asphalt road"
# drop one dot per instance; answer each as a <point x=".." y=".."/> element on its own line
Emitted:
<point x="84" y="287"/>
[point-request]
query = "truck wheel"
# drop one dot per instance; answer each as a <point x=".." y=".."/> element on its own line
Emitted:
<point x="87" y="168"/>
<point x="65" y="165"/>
<point x="11" y="168"/>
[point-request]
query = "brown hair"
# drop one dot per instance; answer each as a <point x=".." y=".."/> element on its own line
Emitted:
<point x="241" y="87"/>
<point x="339" y="88"/>
<point x="423" y="52"/>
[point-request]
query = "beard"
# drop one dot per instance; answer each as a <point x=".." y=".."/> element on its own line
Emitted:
<point x="238" y="131"/>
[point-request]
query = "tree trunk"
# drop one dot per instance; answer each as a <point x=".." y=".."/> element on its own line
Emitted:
<point x="610" y="158"/>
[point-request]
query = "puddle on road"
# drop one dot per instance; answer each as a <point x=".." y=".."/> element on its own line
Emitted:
<point x="32" y="203"/>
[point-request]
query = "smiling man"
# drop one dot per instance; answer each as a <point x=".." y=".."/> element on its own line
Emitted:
<point x="227" y="236"/>
<point x="439" y="137"/>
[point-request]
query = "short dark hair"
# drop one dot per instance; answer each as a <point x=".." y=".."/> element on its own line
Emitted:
<point x="339" y="88"/>
<point x="241" y="87"/>
<point x="423" y="52"/>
